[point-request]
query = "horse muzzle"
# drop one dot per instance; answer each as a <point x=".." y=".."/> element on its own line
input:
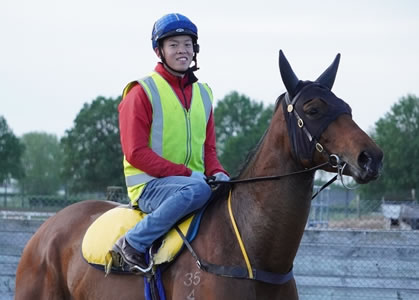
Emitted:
<point x="368" y="167"/>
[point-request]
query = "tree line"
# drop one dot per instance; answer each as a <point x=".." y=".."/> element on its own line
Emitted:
<point x="88" y="158"/>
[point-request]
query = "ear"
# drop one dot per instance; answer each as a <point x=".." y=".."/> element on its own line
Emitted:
<point x="328" y="76"/>
<point x="288" y="76"/>
<point x="157" y="51"/>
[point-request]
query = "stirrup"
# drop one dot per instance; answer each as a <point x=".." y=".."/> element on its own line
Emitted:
<point x="139" y="270"/>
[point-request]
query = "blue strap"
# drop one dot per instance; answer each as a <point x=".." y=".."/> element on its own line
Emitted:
<point x="160" y="286"/>
<point x="156" y="281"/>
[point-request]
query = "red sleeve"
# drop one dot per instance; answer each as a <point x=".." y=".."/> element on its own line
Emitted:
<point x="135" y="118"/>
<point x="212" y="165"/>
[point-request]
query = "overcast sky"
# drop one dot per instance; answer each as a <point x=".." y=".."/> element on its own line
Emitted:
<point x="57" y="55"/>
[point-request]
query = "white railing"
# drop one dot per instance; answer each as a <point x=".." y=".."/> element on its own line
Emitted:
<point x="25" y="215"/>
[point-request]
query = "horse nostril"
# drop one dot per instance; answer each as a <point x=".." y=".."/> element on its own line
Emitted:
<point x="365" y="160"/>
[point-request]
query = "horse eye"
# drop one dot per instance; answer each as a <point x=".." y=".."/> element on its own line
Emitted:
<point x="312" y="111"/>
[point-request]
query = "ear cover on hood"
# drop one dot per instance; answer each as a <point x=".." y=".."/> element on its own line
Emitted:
<point x="304" y="138"/>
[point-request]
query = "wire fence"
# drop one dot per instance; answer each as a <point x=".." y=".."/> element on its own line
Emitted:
<point x="359" y="249"/>
<point x="351" y="249"/>
<point x="53" y="203"/>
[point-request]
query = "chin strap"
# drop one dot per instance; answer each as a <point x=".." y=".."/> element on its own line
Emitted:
<point x="191" y="69"/>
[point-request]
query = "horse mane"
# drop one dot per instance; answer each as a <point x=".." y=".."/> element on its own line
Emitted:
<point x="250" y="156"/>
<point x="222" y="190"/>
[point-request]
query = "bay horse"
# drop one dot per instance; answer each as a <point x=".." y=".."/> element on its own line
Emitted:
<point x="310" y="129"/>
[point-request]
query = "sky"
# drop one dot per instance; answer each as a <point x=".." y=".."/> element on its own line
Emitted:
<point x="56" y="55"/>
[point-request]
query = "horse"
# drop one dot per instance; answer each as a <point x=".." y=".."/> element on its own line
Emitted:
<point x="310" y="129"/>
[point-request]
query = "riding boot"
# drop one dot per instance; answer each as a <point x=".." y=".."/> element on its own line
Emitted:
<point x="133" y="259"/>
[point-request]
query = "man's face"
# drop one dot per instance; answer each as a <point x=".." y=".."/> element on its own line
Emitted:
<point x="178" y="52"/>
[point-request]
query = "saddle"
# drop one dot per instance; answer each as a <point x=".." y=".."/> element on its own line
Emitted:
<point x="109" y="227"/>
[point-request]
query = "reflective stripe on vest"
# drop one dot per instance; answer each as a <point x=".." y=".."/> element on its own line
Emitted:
<point x="137" y="177"/>
<point x="157" y="124"/>
<point x="206" y="99"/>
<point x="132" y="180"/>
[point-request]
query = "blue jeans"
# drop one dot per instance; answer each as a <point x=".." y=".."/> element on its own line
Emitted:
<point x="166" y="200"/>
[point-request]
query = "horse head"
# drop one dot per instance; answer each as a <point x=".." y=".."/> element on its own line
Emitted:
<point x="321" y="129"/>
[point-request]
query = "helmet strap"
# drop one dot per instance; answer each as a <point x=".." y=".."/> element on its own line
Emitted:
<point x="193" y="68"/>
<point x="196" y="51"/>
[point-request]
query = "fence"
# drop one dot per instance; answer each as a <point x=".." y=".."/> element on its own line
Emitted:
<point x="14" y="234"/>
<point x="19" y="202"/>
<point x="351" y="249"/>
<point x="358" y="264"/>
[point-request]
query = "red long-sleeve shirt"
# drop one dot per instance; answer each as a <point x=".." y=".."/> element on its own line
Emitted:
<point x="135" y="118"/>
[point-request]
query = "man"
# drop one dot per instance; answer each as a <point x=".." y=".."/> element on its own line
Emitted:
<point x="168" y="139"/>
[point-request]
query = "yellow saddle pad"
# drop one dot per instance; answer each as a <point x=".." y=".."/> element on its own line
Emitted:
<point x="109" y="227"/>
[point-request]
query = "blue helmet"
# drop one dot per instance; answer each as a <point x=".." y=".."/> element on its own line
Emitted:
<point x="171" y="25"/>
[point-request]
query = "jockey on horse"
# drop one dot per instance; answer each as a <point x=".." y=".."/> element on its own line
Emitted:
<point x="168" y="140"/>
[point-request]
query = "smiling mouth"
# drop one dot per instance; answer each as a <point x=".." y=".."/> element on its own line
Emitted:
<point x="182" y="59"/>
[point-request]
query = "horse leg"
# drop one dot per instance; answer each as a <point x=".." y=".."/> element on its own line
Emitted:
<point x="290" y="289"/>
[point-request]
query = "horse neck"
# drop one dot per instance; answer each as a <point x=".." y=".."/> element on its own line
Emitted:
<point x="272" y="215"/>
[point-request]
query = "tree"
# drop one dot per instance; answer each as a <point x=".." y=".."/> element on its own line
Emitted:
<point x="11" y="150"/>
<point x="397" y="133"/>
<point x="240" y="123"/>
<point x="42" y="161"/>
<point x="92" y="151"/>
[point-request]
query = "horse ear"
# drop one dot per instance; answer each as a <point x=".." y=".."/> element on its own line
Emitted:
<point x="288" y="76"/>
<point x="328" y="76"/>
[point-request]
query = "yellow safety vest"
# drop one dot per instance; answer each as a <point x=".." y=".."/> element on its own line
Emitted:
<point x="177" y="134"/>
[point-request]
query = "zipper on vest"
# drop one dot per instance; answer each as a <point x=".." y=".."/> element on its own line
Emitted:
<point x="187" y="112"/>
<point x="188" y="137"/>
<point x="184" y="96"/>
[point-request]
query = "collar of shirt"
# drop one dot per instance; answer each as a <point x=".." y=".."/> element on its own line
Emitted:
<point x="173" y="80"/>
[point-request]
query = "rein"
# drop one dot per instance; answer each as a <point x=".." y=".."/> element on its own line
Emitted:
<point x="263" y="178"/>
<point x="334" y="161"/>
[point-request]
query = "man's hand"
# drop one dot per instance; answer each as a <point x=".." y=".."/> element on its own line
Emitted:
<point x="220" y="176"/>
